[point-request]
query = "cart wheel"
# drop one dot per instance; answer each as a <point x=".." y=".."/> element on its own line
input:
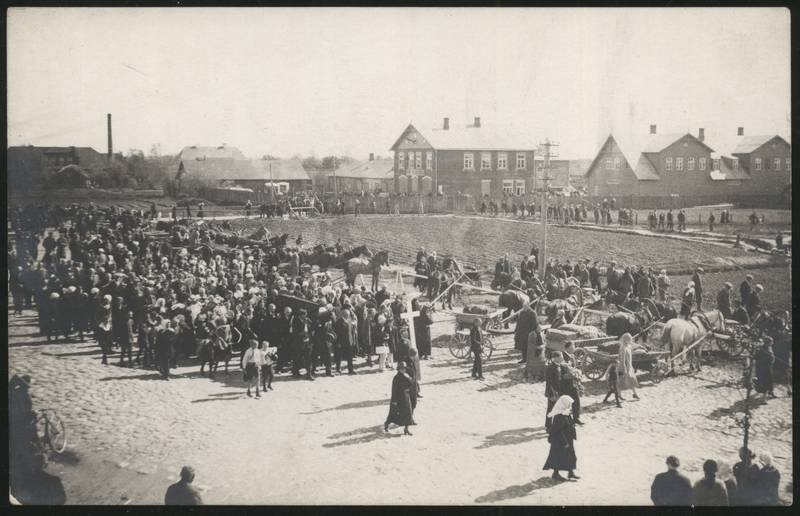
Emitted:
<point x="458" y="346"/>
<point x="594" y="371"/>
<point x="733" y="347"/>
<point x="51" y="430"/>
<point x="580" y="357"/>
<point x="487" y="348"/>
<point x="659" y="371"/>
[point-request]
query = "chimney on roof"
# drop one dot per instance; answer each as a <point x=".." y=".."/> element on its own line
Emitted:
<point x="110" y="147"/>
<point x="652" y="128"/>
<point x="477" y="121"/>
<point x="446" y="124"/>
<point x="740" y="131"/>
<point x="701" y="134"/>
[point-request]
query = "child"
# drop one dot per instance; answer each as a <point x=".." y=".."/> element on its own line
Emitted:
<point x="267" y="371"/>
<point x="611" y="373"/>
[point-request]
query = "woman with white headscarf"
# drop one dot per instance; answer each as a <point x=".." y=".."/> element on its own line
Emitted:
<point x="562" y="437"/>
<point x="768" y="481"/>
<point x="625" y="370"/>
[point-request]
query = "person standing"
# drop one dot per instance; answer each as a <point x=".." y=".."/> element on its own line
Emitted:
<point x="348" y="339"/>
<point x="709" y="491"/>
<point x="252" y="364"/>
<point x="754" y="301"/>
<point x="301" y="336"/>
<point x="552" y="383"/>
<point x="526" y="323"/>
<point x="570" y="382"/>
<point x="747" y="475"/>
<point x="401" y="405"/>
<point x="475" y="342"/>
<point x="165" y="344"/>
<point x="183" y="492"/>
<point x="627" y="374"/>
<point x="724" y="300"/>
<point x="422" y="330"/>
<point x="662" y="285"/>
<point x="711" y="220"/>
<point x="127" y="337"/>
<point x="698" y="287"/>
<point x="765" y="360"/>
<point x="612" y="377"/>
<point x="103" y="327"/>
<point x="671" y="488"/>
<point x="562" y="438"/>
<point x="687" y="300"/>
<point x="769" y="479"/>
<point x="745" y="289"/>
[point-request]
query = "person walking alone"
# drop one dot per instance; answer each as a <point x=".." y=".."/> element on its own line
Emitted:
<point x="403" y="402"/>
<point x="252" y="363"/>
<point x="562" y="437"/>
<point x="475" y="343"/>
<point x="627" y="374"/>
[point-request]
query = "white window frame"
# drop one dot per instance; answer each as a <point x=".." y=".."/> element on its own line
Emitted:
<point x="788" y="164"/>
<point x="429" y="160"/>
<point x="486" y="161"/>
<point x="418" y="164"/>
<point x="508" y="186"/>
<point x="715" y="164"/>
<point x="776" y="163"/>
<point x="668" y="163"/>
<point x="690" y="163"/>
<point x="758" y="165"/>
<point x="469" y="161"/>
<point x="609" y="163"/>
<point x="735" y="163"/>
<point x="401" y="160"/>
<point x="617" y="163"/>
<point x="519" y="187"/>
<point x="701" y="163"/>
<point x="679" y="163"/>
<point x="521" y="158"/>
<point x="502" y="161"/>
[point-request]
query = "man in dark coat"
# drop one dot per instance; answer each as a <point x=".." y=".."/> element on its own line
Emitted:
<point x="765" y="360"/>
<point x="754" y="301"/>
<point x="475" y="341"/>
<point x="745" y="289"/>
<point x="422" y="330"/>
<point x="552" y="385"/>
<point x="698" y="287"/>
<point x="165" y="344"/>
<point x="526" y="323"/>
<point x="347" y="333"/>
<point x="724" y="300"/>
<point x="402" y="404"/>
<point x="283" y="341"/>
<point x="183" y="492"/>
<point x="671" y="487"/>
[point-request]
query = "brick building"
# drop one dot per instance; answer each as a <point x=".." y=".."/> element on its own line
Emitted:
<point x="470" y="159"/>
<point x="29" y="166"/>
<point x="682" y="165"/>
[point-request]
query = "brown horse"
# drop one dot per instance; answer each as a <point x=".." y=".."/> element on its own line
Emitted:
<point x="682" y="333"/>
<point x="355" y="266"/>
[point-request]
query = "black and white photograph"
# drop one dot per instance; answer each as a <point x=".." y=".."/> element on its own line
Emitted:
<point x="399" y="256"/>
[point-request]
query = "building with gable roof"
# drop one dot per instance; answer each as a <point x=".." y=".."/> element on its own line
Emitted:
<point x="372" y="175"/>
<point x="469" y="159"/>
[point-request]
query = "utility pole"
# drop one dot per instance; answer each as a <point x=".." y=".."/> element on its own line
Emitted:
<point x="335" y="185"/>
<point x="748" y="384"/>
<point x="545" y="148"/>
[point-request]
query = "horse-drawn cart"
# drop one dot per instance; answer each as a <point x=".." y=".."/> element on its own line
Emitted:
<point x="594" y="360"/>
<point x="459" y="345"/>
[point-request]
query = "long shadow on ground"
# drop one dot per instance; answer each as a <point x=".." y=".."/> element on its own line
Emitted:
<point x="360" y="436"/>
<point x="519" y="491"/>
<point x="512" y="437"/>
<point x="353" y="405"/>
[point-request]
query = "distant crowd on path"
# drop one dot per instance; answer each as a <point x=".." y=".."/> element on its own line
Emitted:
<point x="746" y="484"/>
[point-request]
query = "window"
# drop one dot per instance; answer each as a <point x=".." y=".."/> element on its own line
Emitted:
<point x="468" y="163"/>
<point x="735" y="163"/>
<point x="486" y="160"/>
<point x="702" y="163"/>
<point x="690" y="164"/>
<point x="609" y="163"/>
<point x="502" y="161"/>
<point x="715" y="164"/>
<point x="617" y="162"/>
<point x="678" y="163"/>
<point x="521" y="165"/>
<point x="776" y="163"/>
<point x="508" y="186"/>
<point x="419" y="160"/>
<point x="668" y="164"/>
<point x="758" y="163"/>
<point x="401" y="160"/>
<point x="519" y="187"/>
<point x="429" y="160"/>
<point x="788" y="163"/>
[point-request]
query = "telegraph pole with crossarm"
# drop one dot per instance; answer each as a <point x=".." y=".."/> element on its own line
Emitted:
<point x="545" y="149"/>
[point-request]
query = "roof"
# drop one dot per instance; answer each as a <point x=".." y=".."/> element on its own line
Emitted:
<point x="216" y="169"/>
<point x="750" y="144"/>
<point x="72" y="171"/>
<point x="659" y="142"/>
<point x="463" y="137"/>
<point x="278" y="170"/>
<point x="381" y="168"/>
<point x="579" y="167"/>
<point x="200" y="152"/>
<point x="644" y="169"/>
<point x="726" y="171"/>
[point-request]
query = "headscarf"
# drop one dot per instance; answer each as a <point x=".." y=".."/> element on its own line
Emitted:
<point x="765" y="458"/>
<point x="562" y="406"/>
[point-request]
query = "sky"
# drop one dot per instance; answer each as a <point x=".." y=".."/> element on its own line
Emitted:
<point x="348" y="80"/>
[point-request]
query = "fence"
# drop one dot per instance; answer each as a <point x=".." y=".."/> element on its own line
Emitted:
<point x="640" y="202"/>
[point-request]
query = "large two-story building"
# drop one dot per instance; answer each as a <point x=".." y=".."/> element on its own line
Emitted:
<point x="468" y="159"/>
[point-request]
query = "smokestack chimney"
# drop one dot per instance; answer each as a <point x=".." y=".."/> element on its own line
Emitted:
<point x="701" y="134"/>
<point x="652" y="128"/>
<point x="110" y="146"/>
<point x="372" y="156"/>
<point x="740" y="131"/>
<point x="446" y="124"/>
<point x="477" y="121"/>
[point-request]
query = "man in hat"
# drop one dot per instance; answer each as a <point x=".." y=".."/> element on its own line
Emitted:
<point x="475" y="344"/>
<point x="687" y="300"/>
<point x="724" y="300"/>
<point x="165" y="344"/>
<point x="698" y="287"/>
<point x="754" y="301"/>
<point x="745" y="289"/>
<point x="183" y="492"/>
<point x="103" y="325"/>
<point x="671" y="488"/>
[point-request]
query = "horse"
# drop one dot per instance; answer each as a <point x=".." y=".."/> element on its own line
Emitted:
<point x="513" y="301"/>
<point x="355" y="266"/>
<point x="569" y="306"/>
<point x="441" y="281"/>
<point x="682" y="333"/>
<point x="211" y="353"/>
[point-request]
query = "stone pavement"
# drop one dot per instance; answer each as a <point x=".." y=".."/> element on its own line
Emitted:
<point x="323" y="443"/>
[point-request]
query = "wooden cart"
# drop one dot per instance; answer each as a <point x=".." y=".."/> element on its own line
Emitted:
<point x="459" y="345"/>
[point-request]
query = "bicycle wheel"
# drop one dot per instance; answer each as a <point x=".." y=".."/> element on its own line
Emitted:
<point x="487" y="348"/>
<point x="51" y="430"/>
<point x="458" y="346"/>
